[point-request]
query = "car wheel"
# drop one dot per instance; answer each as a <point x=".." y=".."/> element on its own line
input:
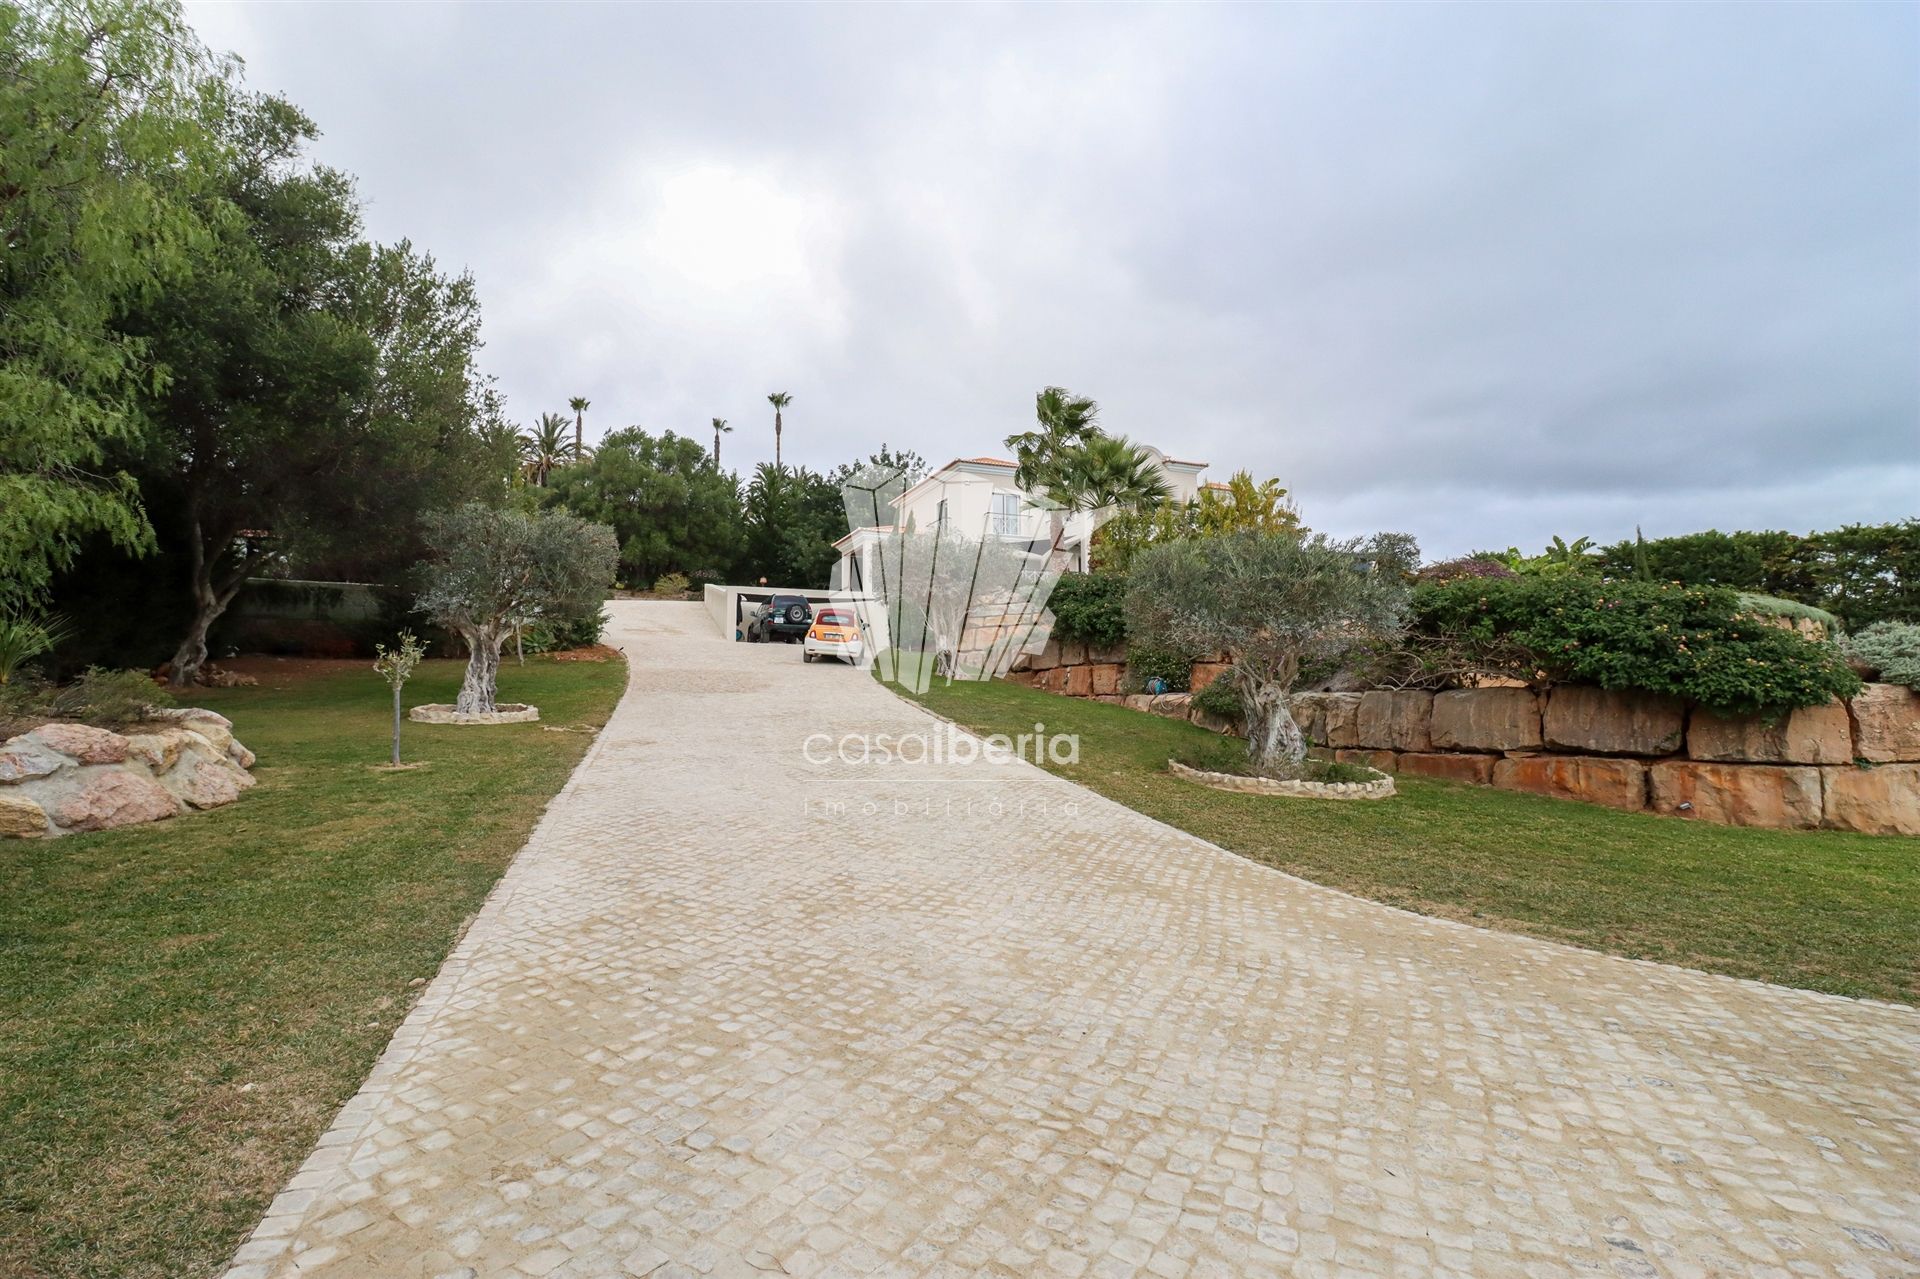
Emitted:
<point x="806" y="657"/>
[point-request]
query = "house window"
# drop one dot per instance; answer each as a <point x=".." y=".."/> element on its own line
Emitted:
<point x="1006" y="514"/>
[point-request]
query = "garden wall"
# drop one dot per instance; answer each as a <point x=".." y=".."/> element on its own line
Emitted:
<point x="1851" y="765"/>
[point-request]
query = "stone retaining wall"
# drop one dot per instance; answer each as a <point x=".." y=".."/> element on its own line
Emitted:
<point x="61" y="779"/>
<point x="1851" y="765"/>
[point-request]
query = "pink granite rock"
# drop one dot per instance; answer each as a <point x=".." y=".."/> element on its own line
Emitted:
<point x="113" y="797"/>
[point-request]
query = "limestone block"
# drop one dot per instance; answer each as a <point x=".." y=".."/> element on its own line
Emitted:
<point x="1616" y="783"/>
<point x="1400" y="720"/>
<point x="1474" y="769"/>
<point x="1106" y="679"/>
<point x="1486" y="719"/>
<point x="1172" y="705"/>
<point x="1883" y="800"/>
<point x="1886" y="724"/>
<point x="1079" y="682"/>
<point x="1809" y="735"/>
<point x="1204" y="673"/>
<point x="1383" y="761"/>
<point x="1738" y="794"/>
<point x="1580" y="718"/>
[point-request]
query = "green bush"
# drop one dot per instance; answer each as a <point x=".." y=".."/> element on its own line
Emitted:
<point x="1222" y="697"/>
<point x="1090" y="608"/>
<point x="1864" y="573"/>
<point x="561" y="634"/>
<point x="110" y="699"/>
<point x="671" y="584"/>
<point x="1147" y="661"/>
<point x="1892" y="649"/>
<point x="1696" y="643"/>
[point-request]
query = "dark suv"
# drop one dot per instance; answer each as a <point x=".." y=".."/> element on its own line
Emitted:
<point x="784" y="617"/>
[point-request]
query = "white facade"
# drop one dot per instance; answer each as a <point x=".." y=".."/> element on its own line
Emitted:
<point x="980" y="496"/>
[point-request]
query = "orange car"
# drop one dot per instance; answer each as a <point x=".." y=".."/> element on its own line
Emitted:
<point x="835" y="633"/>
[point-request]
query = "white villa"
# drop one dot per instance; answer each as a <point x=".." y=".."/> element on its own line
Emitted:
<point x="980" y="497"/>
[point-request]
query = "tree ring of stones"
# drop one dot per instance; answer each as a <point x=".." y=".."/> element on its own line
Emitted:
<point x="1381" y="787"/>
<point x="444" y="713"/>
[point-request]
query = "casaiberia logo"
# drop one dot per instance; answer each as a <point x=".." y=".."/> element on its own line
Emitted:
<point x="948" y="575"/>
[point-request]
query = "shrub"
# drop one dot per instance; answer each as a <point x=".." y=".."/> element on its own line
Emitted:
<point x="1468" y="566"/>
<point x="1221" y="698"/>
<point x="1696" y="643"/>
<point x="1892" y="649"/>
<point x="1149" y="661"/>
<point x="112" y="698"/>
<point x="555" y="636"/>
<point x="1090" y="608"/>
<point x="671" y="584"/>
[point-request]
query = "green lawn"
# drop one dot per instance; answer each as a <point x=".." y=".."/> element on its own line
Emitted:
<point x="1816" y="909"/>
<point x="183" y="1006"/>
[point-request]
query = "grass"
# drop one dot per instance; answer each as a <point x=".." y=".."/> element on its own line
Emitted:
<point x="1821" y="910"/>
<point x="183" y="1006"/>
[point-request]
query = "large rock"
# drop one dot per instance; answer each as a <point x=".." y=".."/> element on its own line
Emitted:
<point x="1486" y="719"/>
<point x="1139" y="701"/>
<point x="1476" y="770"/>
<point x="1048" y="657"/>
<point x="1809" y="735"/>
<point x="1883" y="800"/>
<point x="1106" y="679"/>
<point x="24" y="759"/>
<point x="1886" y="724"/>
<point x="1398" y="721"/>
<point x="1171" y="705"/>
<point x="1616" y="783"/>
<point x="113" y="797"/>
<point x="82" y="743"/>
<point x="1079" y="681"/>
<point x="1073" y="653"/>
<point x="160" y="745"/>
<point x="1378" y="761"/>
<point x="207" y="783"/>
<point x="21" y="818"/>
<point x="1340" y="720"/>
<point x="1212" y="721"/>
<point x="1580" y="718"/>
<point x="1738" y="794"/>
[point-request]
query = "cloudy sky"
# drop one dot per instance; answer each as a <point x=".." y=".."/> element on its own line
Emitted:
<point x="1484" y="274"/>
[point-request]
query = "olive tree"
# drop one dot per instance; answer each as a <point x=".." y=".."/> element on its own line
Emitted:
<point x="1270" y="601"/>
<point x="489" y="571"/>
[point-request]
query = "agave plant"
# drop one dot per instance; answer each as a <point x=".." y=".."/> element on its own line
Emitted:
<point x="23" y="638"/>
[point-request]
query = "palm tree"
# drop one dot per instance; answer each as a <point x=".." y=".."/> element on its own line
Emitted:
<point x="546" y="447"/>
<point x="720" y="428"/>
<point x="779" y="400"/>
<point x="1063" y="419"/>
<point x="1105" y="473"/>
<point x="1108" y="472"/>
<point x="579" y="404"/>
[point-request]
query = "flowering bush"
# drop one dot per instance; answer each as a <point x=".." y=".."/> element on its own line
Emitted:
<point x="1699" y="643"/>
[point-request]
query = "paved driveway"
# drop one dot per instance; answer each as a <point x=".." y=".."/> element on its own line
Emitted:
<point x="733" y="1013"/>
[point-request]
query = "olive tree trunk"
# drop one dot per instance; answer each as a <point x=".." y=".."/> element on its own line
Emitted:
<point x="1275" y="744"/>
<point x="212" y="592"/>
<point x="481" y="685"/>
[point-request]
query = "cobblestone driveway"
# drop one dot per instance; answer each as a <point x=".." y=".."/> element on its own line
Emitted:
<point x="733" y="1014"/>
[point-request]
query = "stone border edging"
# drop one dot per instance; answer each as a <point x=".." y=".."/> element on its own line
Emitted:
<point x="1381" y="787"/>
<point x="444" y="713"/>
